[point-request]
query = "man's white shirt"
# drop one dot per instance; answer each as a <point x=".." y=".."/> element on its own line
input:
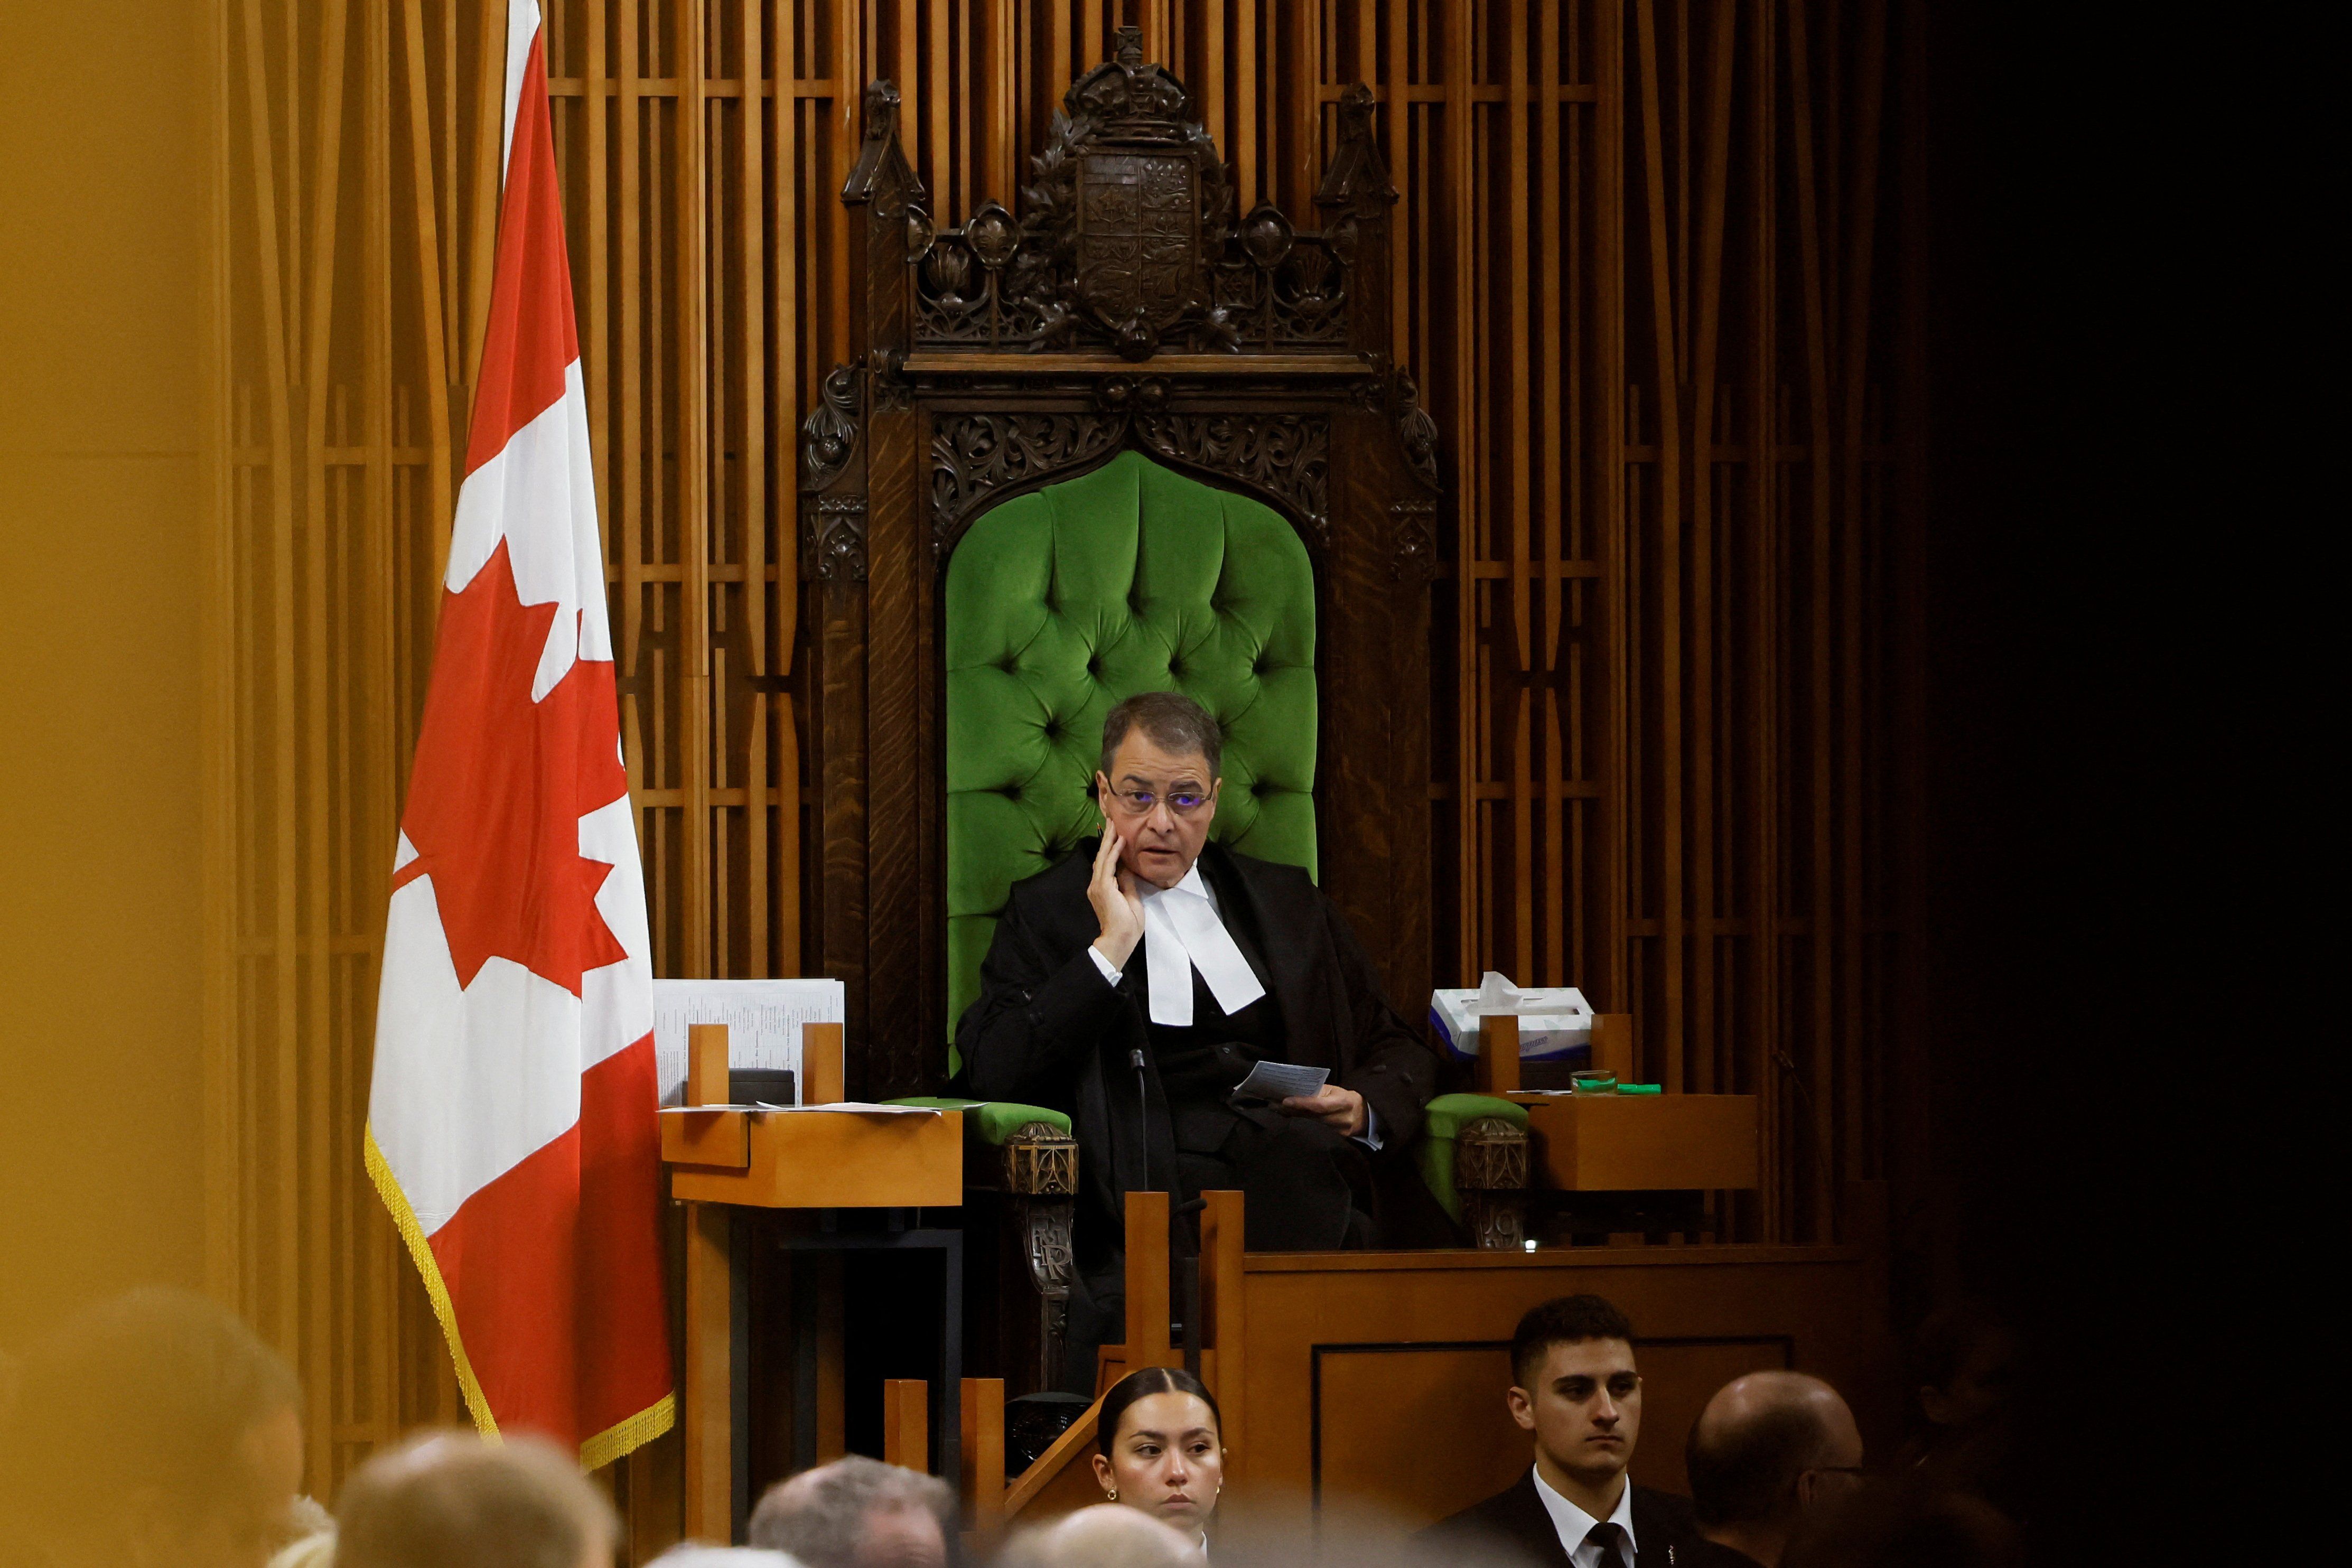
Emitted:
<point x="1183" y="932"/>
<point x="1574" y="1524"/>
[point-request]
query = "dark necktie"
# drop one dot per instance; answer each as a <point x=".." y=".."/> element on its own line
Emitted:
<point x="1609" y="1538"/>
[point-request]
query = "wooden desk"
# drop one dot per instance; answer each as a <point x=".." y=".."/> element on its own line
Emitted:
<point x="1379" y="1377"/>
<point x="1623" y="1142"/>
<point x="815" y="1159"/>
<point x="728" y="1164"/>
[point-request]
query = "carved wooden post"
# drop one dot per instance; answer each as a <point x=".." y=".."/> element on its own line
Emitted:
<point x="1041" y="1173"/>
<point x="903" y="935"/>
<point x="863" y="547"/>
<point x="1491" y="1175"/>
<point x="1354" y="199"/>
<point x="1383" y="542"/>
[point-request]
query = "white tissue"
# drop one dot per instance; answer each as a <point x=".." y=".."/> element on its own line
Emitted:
<point x="1553" y="1020"/>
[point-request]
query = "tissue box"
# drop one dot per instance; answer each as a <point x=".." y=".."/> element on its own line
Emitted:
<point x="1555" y="1024"/>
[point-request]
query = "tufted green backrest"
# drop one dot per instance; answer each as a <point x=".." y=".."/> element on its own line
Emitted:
<point x="1061" y="603"/>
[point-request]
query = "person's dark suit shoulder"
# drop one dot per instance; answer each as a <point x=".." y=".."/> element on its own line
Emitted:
<point x="1701" y="1553"/>
<point x="1515" y="1520"/>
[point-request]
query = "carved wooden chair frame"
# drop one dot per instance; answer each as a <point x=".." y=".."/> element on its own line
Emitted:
<point x="1012" y="352"/>
<point x="1004" y="355"/>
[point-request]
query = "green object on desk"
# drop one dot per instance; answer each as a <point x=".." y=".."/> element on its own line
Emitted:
<point x="1641" y="1088"/>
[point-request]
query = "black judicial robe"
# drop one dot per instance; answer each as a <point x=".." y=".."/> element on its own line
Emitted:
<point x="1047" y="1030"/>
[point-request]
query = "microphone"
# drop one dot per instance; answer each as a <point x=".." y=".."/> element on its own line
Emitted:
<point x="1142" y="1109"/>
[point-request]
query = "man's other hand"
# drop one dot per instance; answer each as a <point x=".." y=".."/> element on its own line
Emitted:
<point x="1118" y="907"/>
<point x="1339" y="1108"/>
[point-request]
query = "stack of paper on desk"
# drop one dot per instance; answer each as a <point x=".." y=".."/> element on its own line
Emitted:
<point x="763" y="1019"/>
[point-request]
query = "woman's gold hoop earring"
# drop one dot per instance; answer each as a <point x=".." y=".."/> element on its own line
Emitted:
<point x="1114" y="1494"/>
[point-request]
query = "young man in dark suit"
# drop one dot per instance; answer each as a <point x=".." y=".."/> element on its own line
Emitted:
<point x="1577" y="1393"/>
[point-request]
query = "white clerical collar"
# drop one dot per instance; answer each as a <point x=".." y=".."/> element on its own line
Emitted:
<point x="1181" y="933"/>
<point x="1574" y="1524"/>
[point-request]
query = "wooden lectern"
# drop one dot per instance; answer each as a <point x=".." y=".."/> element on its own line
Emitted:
<point x="728" y="1164"/>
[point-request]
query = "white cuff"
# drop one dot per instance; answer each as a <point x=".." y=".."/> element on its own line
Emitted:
<point x="1371" y="1136"/>
<point x="1109" y="971"/>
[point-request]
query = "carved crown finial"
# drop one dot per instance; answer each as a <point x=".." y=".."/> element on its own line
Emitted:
<point x="881" y="110"/>
<point x="882" y="175"/>
<point x="1358" y="176"/>
<point x="1127" y="88"/>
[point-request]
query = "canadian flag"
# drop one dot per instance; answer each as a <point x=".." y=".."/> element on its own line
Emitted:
<point x="511" y="1116"/>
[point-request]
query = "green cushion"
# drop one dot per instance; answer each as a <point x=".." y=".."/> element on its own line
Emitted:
<point x="993" y="1121"/>
<point x="1448" y="1114"/>
<point x="1064" y="601"/>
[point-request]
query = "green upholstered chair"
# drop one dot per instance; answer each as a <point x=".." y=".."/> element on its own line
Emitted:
<point x="1065" y="601"/>
<point x="1060" y="603"/>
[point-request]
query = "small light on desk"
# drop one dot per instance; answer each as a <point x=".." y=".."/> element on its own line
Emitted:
<point x="1530" y="1244"/>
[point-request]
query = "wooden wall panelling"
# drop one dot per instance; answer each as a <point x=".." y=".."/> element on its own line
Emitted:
<point x="1862" y="654"/>
<point x="364" y="786"/>
<point x="1925" y="1268"/>
<point x="311" y="505"/>
<point x="1670" y="704"/>
<point x="1608" y="679"/>
<point x="1758" y="426"/>
<point x="1818" y="948"/>
<point x="1762" y="660"/>
<point x="690" y="461"/>
<point x="702" y="214"/>
<point x="219" y="686"/>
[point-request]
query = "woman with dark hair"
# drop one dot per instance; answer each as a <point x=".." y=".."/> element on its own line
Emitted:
<point x="1160" y="1446"/>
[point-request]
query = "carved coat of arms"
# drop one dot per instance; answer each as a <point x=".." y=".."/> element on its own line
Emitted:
<point x="1130" y="197"/>
<point x="1138" y="236"/>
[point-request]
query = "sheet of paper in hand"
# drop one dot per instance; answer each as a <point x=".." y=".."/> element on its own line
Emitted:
<point x="1280" y="1080"/>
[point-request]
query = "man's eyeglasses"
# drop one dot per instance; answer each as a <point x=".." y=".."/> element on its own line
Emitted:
<point x="1139" y="802"/>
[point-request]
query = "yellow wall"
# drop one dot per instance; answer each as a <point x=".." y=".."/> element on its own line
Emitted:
<point x="102" y="197"/>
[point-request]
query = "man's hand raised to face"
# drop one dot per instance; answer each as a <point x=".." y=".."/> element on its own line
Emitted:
<point x="1118" y="907"/>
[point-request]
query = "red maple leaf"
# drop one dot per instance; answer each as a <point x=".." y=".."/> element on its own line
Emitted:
<point x="500" y="785"/>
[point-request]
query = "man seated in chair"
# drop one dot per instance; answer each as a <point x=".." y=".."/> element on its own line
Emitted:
<point x="1136" y="984"/>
